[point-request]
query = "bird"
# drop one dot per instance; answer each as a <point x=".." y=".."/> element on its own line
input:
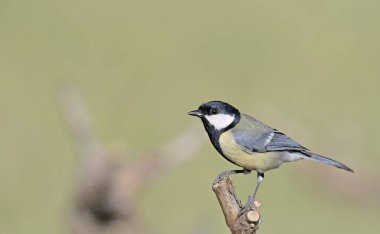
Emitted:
<point x="251" y="144"/>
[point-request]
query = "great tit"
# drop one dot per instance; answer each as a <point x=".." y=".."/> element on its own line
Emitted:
<point x="251" y="144"/>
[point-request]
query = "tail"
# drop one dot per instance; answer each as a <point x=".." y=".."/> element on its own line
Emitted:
<point x="319" y="158"/>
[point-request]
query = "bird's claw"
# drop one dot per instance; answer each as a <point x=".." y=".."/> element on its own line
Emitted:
<point x="248" y="206"/>
<point x="225" y="174"/>
<point x="244" y="210"/>
<point x="221" y="176"/>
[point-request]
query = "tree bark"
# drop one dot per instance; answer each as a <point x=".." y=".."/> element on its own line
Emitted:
<point x="238" y="220"/>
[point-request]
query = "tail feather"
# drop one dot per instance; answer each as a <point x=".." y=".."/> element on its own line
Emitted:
<point x="322" y="159"/>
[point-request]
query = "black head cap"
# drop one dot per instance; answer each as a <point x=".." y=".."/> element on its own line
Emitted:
<point x="208" y="109"/>
<point x="218" y="107"/>
<point x="215" y="125"/>
<point x="213" y="108"/>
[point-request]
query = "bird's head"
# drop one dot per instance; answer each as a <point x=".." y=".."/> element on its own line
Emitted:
<point x="217" y="114"/>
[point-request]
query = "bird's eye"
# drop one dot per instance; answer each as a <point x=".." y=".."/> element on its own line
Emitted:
<point x="213" y="111"/>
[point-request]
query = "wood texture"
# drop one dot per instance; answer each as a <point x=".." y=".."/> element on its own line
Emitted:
<point x="239" y="220"/>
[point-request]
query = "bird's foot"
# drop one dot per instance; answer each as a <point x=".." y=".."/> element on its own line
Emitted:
<point x="248" y="206"/>
<point x="224" y="174"/>
<point x="230" y="172"/>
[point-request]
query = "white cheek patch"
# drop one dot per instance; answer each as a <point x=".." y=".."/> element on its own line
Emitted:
<point x="220" y="121"/>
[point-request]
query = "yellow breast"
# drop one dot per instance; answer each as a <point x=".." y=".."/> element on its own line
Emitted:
<point x="252" y="161"/>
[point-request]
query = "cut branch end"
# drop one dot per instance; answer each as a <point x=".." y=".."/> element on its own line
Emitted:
<point x="237" y="218"/>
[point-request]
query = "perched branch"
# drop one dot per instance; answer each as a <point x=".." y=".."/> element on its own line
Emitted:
<point x="237" y="219"/>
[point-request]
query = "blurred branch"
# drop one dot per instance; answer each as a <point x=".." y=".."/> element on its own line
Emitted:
<point x="105" y="200"/>
<point x="172" y="155"/>
<point x="238" y="220"/>
<point x="79" y="122"/>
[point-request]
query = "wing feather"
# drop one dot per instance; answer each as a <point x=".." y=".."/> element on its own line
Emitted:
<point x="280" y="141"/>
<point x="253" y="137"/>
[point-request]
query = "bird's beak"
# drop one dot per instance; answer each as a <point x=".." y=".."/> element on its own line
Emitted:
<point x="195" y="113"/>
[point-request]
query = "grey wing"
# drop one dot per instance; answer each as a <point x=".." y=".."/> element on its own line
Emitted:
<point x="270" y="140"/>
<point x="279" y="141"/>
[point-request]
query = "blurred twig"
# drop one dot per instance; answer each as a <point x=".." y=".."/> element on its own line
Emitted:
<point x="239" y="221"/>
<point x="107" y="186"/>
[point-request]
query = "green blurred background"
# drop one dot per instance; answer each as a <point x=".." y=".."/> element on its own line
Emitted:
<point x="309" y="68"/>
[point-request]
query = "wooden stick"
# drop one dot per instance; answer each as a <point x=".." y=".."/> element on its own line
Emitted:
<point x="238" y="220"/>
